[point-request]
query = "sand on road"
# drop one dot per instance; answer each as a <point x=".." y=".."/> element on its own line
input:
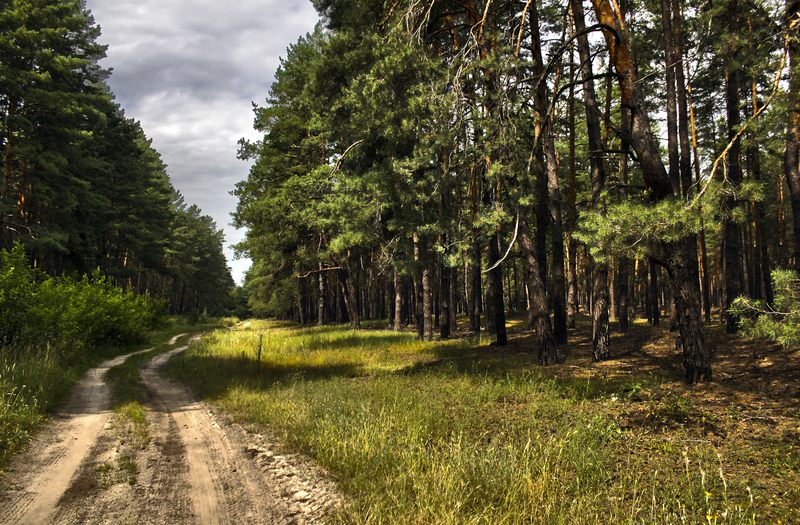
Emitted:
<point x="194" y="466"/>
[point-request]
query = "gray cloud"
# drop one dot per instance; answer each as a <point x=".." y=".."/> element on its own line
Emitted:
<point x="188" y="69"/>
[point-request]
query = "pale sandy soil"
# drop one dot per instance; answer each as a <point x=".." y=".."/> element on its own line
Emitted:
<point x="194" y="466"/>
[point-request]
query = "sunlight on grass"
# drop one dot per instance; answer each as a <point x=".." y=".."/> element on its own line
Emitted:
<point x="419" y="432"/>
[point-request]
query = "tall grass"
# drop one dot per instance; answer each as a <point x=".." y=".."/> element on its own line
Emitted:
<point x="428" y="433"/>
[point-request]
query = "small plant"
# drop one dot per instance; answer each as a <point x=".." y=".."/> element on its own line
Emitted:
<point x="779" y="321"/>
<point x="631" y="391"/>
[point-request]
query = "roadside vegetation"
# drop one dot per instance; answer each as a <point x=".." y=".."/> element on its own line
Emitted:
<point x="460" y="432"/>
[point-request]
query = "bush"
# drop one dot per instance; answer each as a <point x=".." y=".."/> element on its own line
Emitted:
<point x="69" y="315"/>
<point x="779" y="321"/>
<point x="51" y="330"/>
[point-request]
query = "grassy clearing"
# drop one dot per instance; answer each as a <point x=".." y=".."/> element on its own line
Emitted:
<point x="459" y="433"/>
<point x="33" y="384"/>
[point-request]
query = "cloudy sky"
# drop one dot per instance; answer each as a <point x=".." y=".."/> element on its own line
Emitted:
<point x="189" y="70"/>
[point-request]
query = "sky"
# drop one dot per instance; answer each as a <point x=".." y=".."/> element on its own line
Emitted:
<point x="189" y="71"/>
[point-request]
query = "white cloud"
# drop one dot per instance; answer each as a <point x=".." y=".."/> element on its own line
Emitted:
<point x="188" y="70"/>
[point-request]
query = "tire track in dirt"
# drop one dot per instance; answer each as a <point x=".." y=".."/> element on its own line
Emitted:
<point x="47" y="469"/>
<point x="224" y="485"/>
<point x="194" y="467"/>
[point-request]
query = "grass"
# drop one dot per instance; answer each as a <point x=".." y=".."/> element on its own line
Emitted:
<point x="461" y="433"/>
<point x="33" y="384"/>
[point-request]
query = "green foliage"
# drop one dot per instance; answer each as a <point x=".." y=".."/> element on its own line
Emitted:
<point x="82" y="186"/>
<point x="779" y="321"/>
<point x="631" y="226"/>
<point x="67" y="315"/>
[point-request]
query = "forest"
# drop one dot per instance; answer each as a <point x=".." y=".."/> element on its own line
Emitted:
<point x="513" y="261"/>
<point x="83" y="188"/>
<point x="424" y="161"/>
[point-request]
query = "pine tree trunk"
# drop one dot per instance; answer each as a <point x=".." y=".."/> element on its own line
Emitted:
<point x="697" y="360"/>
<point x="398" y="302"/>
<point x="791" y="158"/>
<point x="548" y="191"/>
<point x="600" y="300"/>
<point x="696" y="353"/>
<point x="572" y="212"/>
<point x="538" y="314"/>
<point x="321" y="303"/>
<point x="445" y="303"/>
<point x="495" y="304"/>
<point x="427" y="308"/>
<point x="476" y="288"/>
<point x="653" y="307"/>
<point x="672" y="99"/>
<point x="623" y="268"/>
<point x="350" y="295"/>
<point x="732" y="234"/>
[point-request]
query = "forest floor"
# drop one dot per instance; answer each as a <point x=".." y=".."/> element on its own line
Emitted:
<point x="130" y="446"/>
<point x="462" y="432"/>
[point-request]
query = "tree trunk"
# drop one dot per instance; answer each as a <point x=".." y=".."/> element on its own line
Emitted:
<point x="495" y="304"/>
<point x="350" y="295"/>
<point x="672" y="99"/>
<point x="445" y="303"/>
<point x="732" y="244"/>
<point x="697" y="357"/>
<point x="427" y="309"/>
<point x="572" y="212"/>
<point x="476" y="288"/>
<point x="623" y="268"/>
<point x="398" y="302"/>
<point x="696" y="354"/>
<point x="600" y="299"/>
<point x="538" y="314"/>
<point x="321" y="303"/>
<point x="791" y="158"/>
<point x="548" y="191"/>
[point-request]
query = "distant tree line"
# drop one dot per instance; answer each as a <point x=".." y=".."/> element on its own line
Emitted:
<point x="420" y="160"/>
<point x="82" y="187"/>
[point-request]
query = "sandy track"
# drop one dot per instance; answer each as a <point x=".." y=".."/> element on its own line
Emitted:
<point x="63" y="445"/>
<point x="196" y="467"/>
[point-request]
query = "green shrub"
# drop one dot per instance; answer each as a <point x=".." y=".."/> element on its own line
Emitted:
<point x="51" y="330"/>
<point x="779" y="321"/>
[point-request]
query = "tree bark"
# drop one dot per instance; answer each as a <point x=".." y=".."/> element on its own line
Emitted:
<point x="572" y="212"/>
<point x="732" y="234"/>
<point x="623" y="268"/>
<point x="427" y="308"/>
<point x="697" y="356"/>
<point x="791" y="157"/>
<point x="495" y="304"/>
<point x="550" y="193"/>
<point x="350" y="295"/>
<point x="321" y="318"/>
<point x="538" y="314"/>
<point x="672" y="98"/>
<point x="398" y="302"/>
<point x="600" y="300"/>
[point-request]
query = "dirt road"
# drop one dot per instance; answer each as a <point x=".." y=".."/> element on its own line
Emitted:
<point x="192" y="466"/>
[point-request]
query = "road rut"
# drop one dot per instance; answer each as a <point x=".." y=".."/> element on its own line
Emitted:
<point x="195" y="467"/>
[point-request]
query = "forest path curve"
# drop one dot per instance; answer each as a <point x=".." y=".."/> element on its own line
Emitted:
<point x="196" y="466"/>
<point x="61" y="447"/>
